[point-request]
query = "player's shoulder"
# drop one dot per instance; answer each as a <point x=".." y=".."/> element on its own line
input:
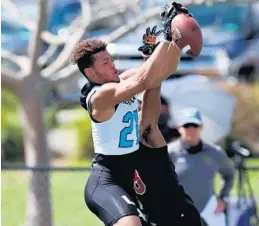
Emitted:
<point x="86" y="89"/>
<point x="213" y="148"/>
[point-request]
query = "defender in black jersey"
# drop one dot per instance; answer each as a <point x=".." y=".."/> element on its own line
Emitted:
<point x="157" y="187"/>
<point x="156" y="184"/>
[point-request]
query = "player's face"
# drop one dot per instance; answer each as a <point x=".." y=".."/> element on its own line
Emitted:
<point x="190" y="133"/>
<point x="104" y="67"/>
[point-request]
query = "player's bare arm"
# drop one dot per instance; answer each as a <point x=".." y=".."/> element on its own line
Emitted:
<point x="159" y="66"/>
<point x="150" y="134"/>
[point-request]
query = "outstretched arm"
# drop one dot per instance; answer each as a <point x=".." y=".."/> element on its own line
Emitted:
<point x="150" y="134"/>
<point x="162" y="63"/>
<point x="159" y="66"/>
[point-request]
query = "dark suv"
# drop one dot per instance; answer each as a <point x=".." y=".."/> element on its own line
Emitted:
<point x="235" y="27"/>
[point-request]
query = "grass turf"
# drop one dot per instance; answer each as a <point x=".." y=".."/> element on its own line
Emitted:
<point x="67" y="197"/>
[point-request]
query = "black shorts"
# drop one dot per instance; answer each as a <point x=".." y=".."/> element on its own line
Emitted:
<point x="158" y="189"/>
<point x="109" y="192"/>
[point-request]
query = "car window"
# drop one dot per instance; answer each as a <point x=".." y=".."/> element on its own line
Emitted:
<point x="12" y="28"/>
<point x="227" y="16"/>
<point x="64" y="16"/>
<point x="255" y="13"/>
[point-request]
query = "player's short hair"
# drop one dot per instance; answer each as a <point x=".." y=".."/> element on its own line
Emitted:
<point x="83" y="53"/>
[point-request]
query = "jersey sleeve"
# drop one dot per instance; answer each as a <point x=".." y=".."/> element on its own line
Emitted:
<point x="88" y="99"/>
<point x="87" y="93"/>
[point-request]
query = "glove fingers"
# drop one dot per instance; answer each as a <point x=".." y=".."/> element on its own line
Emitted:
<point x="176" y="5"/>
<point x="179" y="7"/>
<point x="168" y="15"/>
<point x="184" y="10"/>
<point x="171" y="11"/>
<point x="153" y="32"/>
<point x="159" y="32"/>
<point x="146" y="50"/>
<point x="140" y="48"/>
<point x="148" y="31"/>
<point x="165" y="12"/>
<point x="144" y="37"/>
<point x="162" y="15"/>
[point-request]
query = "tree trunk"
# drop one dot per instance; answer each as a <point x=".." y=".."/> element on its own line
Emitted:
<point x="39" y="197"/>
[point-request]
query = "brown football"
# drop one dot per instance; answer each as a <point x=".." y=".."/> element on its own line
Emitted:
<point x="186" y="29"/>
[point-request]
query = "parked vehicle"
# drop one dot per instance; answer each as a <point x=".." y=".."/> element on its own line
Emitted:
<point x="231" y="36"/>
<point x="15" y="36"/>
<point x="246" y="67"/>
<point x="235" y="27"/>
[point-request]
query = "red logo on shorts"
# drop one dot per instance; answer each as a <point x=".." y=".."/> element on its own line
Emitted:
<point x="139" y="186"/>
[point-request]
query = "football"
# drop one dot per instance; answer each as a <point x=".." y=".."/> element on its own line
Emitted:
<point x="187" y="33"/>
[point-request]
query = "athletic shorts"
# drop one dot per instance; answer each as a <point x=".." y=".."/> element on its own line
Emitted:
<point x="157" y="187"/>
<point x="109" y="192"/>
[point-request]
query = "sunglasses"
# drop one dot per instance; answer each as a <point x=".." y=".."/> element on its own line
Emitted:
<point x="188" y="125"/>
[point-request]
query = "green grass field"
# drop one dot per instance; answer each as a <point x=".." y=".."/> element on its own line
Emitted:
<point x="67" y="197"/>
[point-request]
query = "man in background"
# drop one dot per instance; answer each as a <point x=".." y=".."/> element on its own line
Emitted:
<point x="196" y="164"/>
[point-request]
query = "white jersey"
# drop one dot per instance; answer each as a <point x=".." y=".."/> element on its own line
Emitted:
<point x="120" y="134"/>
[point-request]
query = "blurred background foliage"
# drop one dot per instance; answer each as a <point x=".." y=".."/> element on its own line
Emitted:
<point x="12" y="137"/>
<point x="246" y="118"/>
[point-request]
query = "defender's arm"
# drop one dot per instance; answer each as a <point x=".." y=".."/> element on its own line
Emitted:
<point x="159" y="66"/>
<point x="150" y="134"/>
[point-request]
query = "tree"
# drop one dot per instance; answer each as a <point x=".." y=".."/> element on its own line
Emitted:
<point x="32" y="82"/>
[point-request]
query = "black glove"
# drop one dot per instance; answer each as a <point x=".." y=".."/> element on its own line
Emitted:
<point x="149" y="41"/>
<point x="167" y="16"/>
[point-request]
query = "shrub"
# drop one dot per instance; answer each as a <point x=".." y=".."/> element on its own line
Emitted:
<point x="12" y="140"/>
<point x="85" y="144"/>
<point x="12" y="131"/>
<point x="81" y="126"/>
<point x="246" y="119"/>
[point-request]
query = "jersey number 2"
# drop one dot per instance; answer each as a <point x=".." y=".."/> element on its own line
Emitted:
<point x="129" y="117"/>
